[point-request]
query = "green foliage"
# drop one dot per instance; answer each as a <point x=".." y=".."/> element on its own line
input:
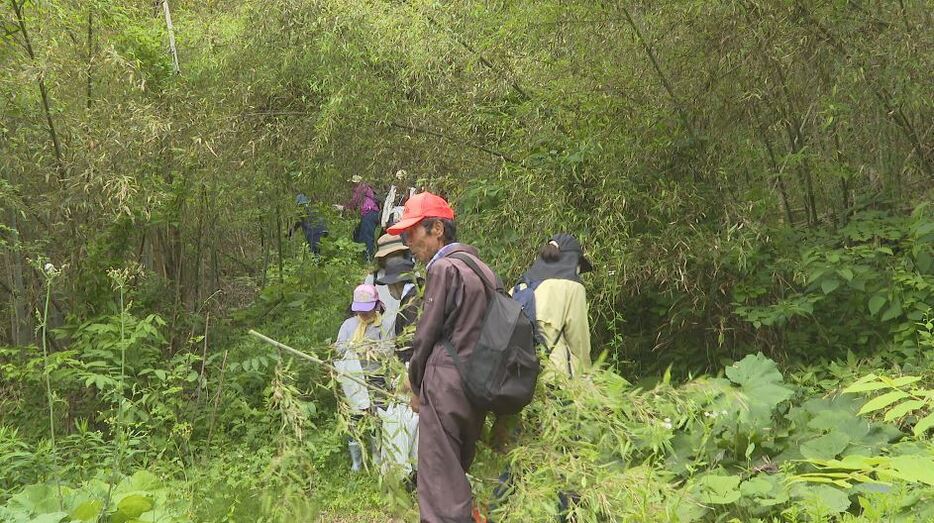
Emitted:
<point x="136" y="498"/>
<point x="865" y="288"/>
<point x="751" y="181"/>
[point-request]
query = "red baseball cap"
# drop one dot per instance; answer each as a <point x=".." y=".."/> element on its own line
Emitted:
<point x="421" y="206"/>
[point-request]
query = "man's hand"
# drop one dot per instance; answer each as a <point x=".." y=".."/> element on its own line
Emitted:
<point x="414" y="403"/>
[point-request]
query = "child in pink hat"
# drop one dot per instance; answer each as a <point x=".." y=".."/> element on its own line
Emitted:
<point x="360" y="348"/>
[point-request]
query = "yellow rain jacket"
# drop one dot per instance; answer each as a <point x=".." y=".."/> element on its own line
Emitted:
<point x="561" y="311"/>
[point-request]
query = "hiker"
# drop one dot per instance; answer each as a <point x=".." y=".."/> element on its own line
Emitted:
<point x="561" y="303"/>
<point x="455" y="304"/>
<point x="399" y="425"/>
<point x="363" y="200"/>
<point x="311" y="223"/>
<point x="395" y="201"/>
<point x="388" y="247"/>
<point x="400" y="279"/>
<point x="361" y="350"/>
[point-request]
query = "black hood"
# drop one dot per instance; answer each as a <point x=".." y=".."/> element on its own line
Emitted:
<point x="565" y="267"/>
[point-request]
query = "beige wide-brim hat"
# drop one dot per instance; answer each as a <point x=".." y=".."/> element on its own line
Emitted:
<point x="388" y="244"/>
<point x="356" y="178"/>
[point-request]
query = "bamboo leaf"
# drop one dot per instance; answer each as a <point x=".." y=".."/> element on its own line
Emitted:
<point x="903" y="408"/>
<point x="922" y="426"/>
<point x="902" y="381"/>
<point x="882" y="401"/>
<point x="865" y="387"/>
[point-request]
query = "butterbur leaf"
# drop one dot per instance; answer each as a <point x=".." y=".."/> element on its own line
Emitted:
<point x="39" y="498"/>
<point x="757" y="486"/>
<point x="766" y="490"/>
<point x="827" y="446"/>
<point x="51" y="517"/>
<point x="914" y="468"/>
<point x="761" y="387"/>
<point x="831" y="499"/>
<point x="134" y="505"/>
<point x="882" y="401"/>
<point x="718" y="490"/>
<point x="87" y="511"/>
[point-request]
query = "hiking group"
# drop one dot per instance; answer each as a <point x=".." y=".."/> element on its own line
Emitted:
<point x="425" y="394"/>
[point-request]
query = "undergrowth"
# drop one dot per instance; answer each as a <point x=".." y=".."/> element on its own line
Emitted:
<point x="234" y="431"/>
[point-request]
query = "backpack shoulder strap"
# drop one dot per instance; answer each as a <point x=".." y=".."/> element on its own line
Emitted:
<point x="469" y="260"/>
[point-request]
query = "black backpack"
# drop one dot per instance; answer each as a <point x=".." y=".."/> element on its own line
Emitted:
<point x="524" y="293"/>
<point x="501" y="373"/>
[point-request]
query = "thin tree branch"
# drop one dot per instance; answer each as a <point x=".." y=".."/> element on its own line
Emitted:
<point x="483" y="59"/>
<point x="679" y="107"/>
<point x="460" y="141"/>
<point x="896" y="113"/>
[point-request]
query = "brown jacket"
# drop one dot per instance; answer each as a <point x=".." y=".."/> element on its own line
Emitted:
<point x="454" y="308"/>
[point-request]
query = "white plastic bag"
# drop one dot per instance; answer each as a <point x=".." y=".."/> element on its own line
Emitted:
<point x="399" y="437"/>
<point x="357" y="396"/>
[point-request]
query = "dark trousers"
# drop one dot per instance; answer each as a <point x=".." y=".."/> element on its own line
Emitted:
<point x="366" y="232"/>
<point x="314" y="241"/>
<point x="448" y="430"/>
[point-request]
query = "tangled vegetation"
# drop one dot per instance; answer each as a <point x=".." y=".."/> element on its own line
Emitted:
<point x="752" y="180"/>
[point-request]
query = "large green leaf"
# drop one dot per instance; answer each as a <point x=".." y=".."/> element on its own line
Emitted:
<point x="824" y="497"/>
<point x="87" y="511"/>
<point x="876" y="303"/>
<point x="761" y="388"/>
<point x="50" y="517"/>
<point x="827" y="446"/>
<point x="39" y="498"/>
<point x="133" y="505"/>
<point x="915" y="468"/>
<point x="718" y="490"/>
<point x="767" y="490"/>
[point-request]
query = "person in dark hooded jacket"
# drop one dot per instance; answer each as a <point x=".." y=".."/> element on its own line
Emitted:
<point x="561" y="303"/>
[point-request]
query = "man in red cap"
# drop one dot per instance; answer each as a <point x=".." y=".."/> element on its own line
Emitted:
<point x="454" y="308"/>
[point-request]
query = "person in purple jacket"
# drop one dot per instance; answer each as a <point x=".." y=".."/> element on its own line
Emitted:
<point x="363" y="200"/>
<point x="453" y="310"/>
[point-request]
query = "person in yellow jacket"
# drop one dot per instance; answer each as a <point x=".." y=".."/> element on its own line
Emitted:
<point x="561" y="303"/>
<point x="560" y="311"/>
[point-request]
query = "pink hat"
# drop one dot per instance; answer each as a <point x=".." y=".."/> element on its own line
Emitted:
<point x="365" y="298"/>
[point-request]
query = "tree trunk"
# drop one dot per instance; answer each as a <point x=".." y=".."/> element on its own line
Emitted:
<point x="279" y="240"/>
<point x="171" y="29"/>
<point x="21" y="321"/>
<point x="43" y="92"/>
<point x="90" y="86"/>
